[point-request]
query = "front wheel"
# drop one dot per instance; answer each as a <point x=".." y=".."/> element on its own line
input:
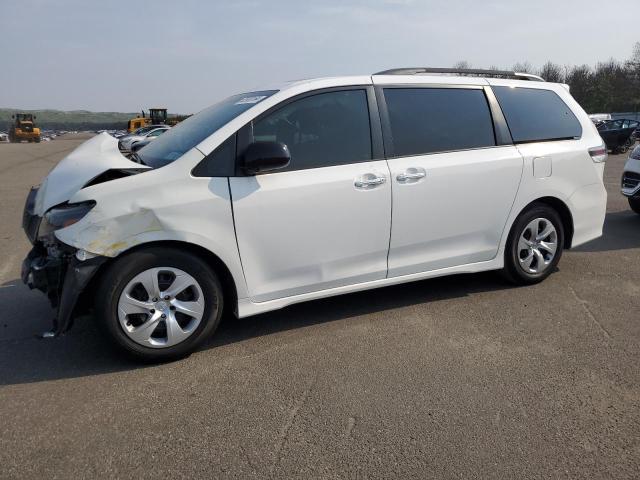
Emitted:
<point x="634" y="203"/>
<point x="534" y="246"/>
<point x="159" y="304"/>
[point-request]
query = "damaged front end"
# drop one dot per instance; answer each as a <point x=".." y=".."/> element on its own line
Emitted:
<point x="60" y="271"/>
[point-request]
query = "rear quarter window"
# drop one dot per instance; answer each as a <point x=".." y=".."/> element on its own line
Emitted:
<point x="535" y="115"/>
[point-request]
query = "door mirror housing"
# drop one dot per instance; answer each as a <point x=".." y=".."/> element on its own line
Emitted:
<point x="264" y="157"/>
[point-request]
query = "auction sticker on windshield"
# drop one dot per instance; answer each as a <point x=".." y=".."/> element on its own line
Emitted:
<point x="254" y="99"/>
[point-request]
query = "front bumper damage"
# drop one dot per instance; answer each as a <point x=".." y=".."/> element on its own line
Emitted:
<point x="53" y="268"/>
<point x="61" y="277"/>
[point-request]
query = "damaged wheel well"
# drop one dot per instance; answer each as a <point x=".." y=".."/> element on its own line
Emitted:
<point x="85" y="300"/>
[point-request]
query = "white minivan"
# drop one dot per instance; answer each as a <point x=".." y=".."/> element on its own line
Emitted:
<point x="312" y="189"/>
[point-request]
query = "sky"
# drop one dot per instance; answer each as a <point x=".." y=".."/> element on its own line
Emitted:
<point x="185" y="54"/>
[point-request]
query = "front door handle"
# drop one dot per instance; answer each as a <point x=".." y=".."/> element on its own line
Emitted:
<point x="411" y="174"/>
<point x="369" y="181"/>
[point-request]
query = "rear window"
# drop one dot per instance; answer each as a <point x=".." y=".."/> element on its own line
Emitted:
<point x="537" y="115"/>
<point x="429" y="120"/>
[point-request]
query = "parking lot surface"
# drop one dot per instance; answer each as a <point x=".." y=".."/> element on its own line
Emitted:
<point x="457" y="377"/>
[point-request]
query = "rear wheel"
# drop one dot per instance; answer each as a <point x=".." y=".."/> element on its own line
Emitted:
<point x="634" y="203"/>
<point x="534" y="246"/>
<point x="159" y="304"/>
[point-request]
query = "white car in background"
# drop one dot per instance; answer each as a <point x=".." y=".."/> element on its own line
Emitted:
<point x="631" y="180"/>
<point x="4" y="138"/>
<point x="126" y="143"/>
<point x="275" y="197"/>
<point x="599" y="117"/>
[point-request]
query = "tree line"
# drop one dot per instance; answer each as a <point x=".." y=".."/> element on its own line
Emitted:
<point x="610" y="86"/>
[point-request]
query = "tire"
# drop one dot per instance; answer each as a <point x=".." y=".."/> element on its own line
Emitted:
<point x="520" y="249"/>
<point x="134" y="332"/>
<point x="634" y="203"/>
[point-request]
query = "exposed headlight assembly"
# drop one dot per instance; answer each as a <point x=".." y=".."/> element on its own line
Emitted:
<point x="64" y="215"/>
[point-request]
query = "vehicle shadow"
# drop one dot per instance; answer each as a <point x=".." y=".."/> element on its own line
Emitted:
<point x="357" y="304"/>
<point x="84" y="352"/>
<point x="25" y="357"/>
<point x="621" y="231"/>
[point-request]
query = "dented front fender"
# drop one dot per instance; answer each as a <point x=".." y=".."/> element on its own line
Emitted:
<point x="160" y="205"/>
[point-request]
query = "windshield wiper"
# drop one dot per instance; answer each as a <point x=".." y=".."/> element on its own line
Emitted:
<point x="136" y="158"/>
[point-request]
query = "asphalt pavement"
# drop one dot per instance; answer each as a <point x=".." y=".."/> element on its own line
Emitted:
<point x="457" y="377"/>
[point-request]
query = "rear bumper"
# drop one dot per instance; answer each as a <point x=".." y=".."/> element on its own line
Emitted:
<point x="588" y="207"/>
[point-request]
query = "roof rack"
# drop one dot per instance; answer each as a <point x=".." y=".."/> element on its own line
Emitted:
<point x="463" y="71"/>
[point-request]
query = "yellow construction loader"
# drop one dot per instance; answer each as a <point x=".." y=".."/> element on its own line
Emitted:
<point x="24" y="128"/>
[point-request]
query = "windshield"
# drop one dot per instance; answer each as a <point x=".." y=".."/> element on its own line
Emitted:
<point x="190" y="132"/>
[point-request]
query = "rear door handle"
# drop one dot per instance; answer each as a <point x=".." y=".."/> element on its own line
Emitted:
<point x="411" y="174"/>
<point x="369" y="181"/>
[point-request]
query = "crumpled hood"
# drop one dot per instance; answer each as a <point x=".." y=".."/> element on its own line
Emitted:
<point x="93" y="157"/>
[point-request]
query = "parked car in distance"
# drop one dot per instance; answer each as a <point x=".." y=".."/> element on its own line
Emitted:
<point x="618" y="134"/>
<point x="138" y="144"/>
<point x="125" y="143"/>
<point x="119" y="133"/>
<point x="599" y="117"/>
<point x="4" y="137"/>
<point x="280" y="196"/>
<point x="631" y="180"/>
<point x="122" y="134"/>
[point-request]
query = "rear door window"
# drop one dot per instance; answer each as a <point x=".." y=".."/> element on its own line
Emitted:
<point x="321" y="130"/>
<point x="429" y="120"/>
<point x="537" y="115"/>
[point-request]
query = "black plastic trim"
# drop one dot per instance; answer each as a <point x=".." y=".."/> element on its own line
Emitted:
<point x="500" y="125"/>
<point x="202" y="170"/>
<point x="78" y="275"/>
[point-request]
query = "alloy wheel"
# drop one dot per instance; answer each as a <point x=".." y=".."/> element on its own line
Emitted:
<point x="537" y="246"/>
<point x="161" y="307"/>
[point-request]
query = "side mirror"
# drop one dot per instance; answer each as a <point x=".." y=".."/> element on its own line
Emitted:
<point x="264" y="157"/>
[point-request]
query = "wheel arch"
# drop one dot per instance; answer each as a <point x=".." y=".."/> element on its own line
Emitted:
<point x="563" y="210"/>
<point x="226" y="278"/>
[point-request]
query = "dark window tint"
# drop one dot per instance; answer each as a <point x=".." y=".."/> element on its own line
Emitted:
<point x="321" y="130"/>
<point x="427" y="120"/>
<point x="220" y="162"/>
<point x="535" y="115"/>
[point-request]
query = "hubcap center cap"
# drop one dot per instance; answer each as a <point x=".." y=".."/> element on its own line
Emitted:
<point x="162" y="305"/>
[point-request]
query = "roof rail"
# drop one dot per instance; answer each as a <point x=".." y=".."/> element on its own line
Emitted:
<point x="463" y="71"/>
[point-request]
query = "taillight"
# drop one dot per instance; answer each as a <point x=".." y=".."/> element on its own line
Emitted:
<point x="598" y="154"/>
